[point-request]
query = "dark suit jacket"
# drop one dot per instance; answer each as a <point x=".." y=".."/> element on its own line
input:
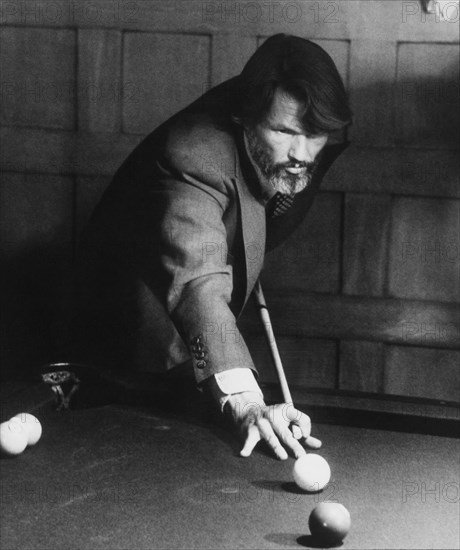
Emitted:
<point x="175" y="247"/>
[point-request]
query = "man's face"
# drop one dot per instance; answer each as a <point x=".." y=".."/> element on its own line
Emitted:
<point x="281" y="148"/>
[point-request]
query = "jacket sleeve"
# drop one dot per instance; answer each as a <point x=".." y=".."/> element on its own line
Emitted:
<point x="198" y="290"/>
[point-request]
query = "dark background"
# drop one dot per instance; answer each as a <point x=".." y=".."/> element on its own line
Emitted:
<point x="365" y="295"/>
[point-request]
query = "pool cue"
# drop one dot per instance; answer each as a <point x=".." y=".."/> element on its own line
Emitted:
<point x="270" y="337"/>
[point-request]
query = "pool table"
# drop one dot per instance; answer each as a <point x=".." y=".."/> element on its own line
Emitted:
<point x="148" y="475"/>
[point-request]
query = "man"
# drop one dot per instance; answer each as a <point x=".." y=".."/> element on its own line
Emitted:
<point x="176" y="245"/>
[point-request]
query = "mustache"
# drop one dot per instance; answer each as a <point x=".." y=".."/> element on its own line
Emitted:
<point x="309" y="166"/>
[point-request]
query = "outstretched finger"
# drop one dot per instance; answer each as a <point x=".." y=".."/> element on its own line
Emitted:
<point x="269" y="436"/>
<point x="252" y="438"/>
<point x="292" y="443"/>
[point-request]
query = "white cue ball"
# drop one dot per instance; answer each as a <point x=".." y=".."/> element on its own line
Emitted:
<point x="13" y="438"/>
<point x="311" y="472"/>
<point x="32" y="426"/>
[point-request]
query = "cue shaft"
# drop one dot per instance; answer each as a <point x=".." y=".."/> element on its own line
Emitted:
<point x="270" y="336"/>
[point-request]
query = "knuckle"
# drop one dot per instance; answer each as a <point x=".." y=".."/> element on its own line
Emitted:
<point x="286" y="436"/>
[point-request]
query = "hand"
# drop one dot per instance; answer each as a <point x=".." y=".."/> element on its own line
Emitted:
<point x="258" y="421"/>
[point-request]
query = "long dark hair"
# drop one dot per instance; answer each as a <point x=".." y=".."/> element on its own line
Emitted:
<point x="303" y="70"/>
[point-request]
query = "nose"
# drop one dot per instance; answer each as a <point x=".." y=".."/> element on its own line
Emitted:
<point x="304" y="149"/>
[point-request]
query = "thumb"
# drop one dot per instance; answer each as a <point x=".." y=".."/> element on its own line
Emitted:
<point x="313" y="442"/>
<point x="252" y="438"/>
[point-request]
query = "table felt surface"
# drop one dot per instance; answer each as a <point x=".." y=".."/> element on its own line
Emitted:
<point x="124" y="477"/>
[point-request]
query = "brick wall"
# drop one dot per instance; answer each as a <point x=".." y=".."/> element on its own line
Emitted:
<point x="365" y="296"/>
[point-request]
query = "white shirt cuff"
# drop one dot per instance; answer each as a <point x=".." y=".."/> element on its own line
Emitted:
<point x="233" y="381"/>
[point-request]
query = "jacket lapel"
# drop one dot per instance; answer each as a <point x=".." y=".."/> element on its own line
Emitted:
<point x="253" y="227"/>
<point x="252" y="216"/>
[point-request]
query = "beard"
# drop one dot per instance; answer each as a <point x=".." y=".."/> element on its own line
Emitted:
<point x="276" y="174"/>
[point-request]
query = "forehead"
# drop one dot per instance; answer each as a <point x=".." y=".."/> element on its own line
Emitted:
<point x="285" y="109"/>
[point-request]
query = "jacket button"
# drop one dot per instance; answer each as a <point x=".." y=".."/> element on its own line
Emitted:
<point x="201" y="364"/>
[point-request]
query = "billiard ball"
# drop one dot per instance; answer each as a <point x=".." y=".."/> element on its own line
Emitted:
<point x="311" y="472"/>
<point x="329" y="523"/>
<point x="13" y="438"/>
<point x="32" y="426"/>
